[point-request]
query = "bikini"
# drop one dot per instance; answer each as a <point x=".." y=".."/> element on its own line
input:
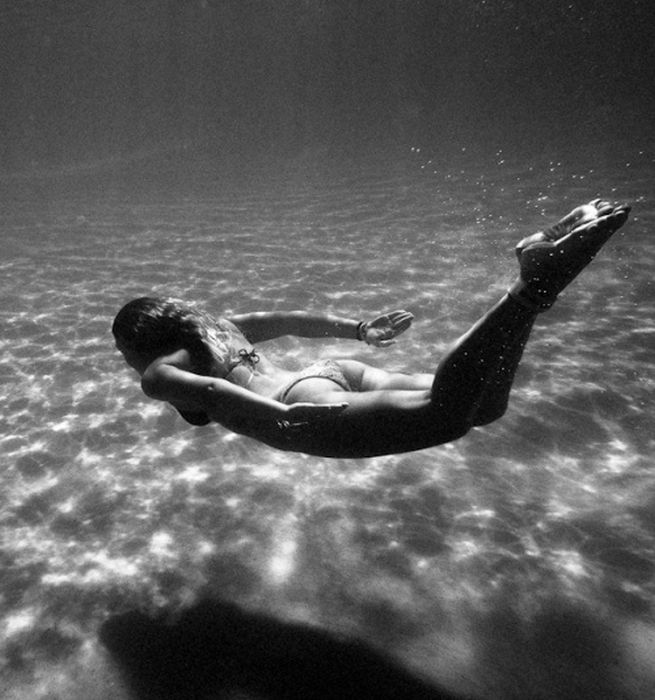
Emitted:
<point x="323" y="369"/>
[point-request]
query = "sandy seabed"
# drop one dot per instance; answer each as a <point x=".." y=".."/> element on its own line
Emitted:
<point x="518" y="562"/>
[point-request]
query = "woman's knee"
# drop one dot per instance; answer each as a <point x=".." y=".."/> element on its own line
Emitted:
<point x="490" y="414"/>
<point x="442" y="426"/>
<point x="456" y="431"/>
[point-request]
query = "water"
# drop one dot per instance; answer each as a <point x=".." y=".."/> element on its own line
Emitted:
<point x="330" y="157"/>
<point x="473" y="563"/>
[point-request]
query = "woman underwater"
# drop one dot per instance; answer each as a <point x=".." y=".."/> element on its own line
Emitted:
<point x="209" y="370"/>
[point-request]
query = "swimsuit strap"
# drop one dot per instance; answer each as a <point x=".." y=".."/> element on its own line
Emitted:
<point x="323" y="369"/>
<point x="243" y="358"/>
<point x="248" y="357"/>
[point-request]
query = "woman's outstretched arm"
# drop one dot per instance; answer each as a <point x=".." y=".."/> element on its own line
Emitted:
<point x="266" y="325"/>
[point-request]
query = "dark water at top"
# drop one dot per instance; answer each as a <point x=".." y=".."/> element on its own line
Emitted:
<point x="349" y="157"/>
<point x="86" y="81"/>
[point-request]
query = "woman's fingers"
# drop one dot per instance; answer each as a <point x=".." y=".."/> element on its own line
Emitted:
<point x="402" y="321"/>
<point x="381" y="330"/>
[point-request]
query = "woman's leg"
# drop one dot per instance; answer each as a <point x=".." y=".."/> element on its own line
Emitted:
<point x="488" y="405"/>
<point x="494" y="346"/>
<point x="363" y="377"/>
<point x="480" y="369"/>
<point x="495" y="398"/>
<point x="471" y="384"/>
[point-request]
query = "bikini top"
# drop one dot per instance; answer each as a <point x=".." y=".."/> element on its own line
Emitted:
<point x="247" y="359"/>
<point x="232" y="370"/>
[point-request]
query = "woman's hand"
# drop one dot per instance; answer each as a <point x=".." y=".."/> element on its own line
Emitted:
<point x="381" y="330"/>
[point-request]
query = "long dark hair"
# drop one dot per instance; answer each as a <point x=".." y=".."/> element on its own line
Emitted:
<point x="155" y="326"/>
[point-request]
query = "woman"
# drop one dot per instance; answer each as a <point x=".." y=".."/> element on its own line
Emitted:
<point x="210" y="371"/>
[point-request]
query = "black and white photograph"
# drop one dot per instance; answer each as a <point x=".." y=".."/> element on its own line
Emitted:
<point x="327" y="331"/>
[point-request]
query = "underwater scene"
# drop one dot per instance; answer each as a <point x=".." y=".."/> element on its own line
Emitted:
<point x="143" y="557"/>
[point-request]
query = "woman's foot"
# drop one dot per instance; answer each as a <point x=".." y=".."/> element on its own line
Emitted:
<point x="550" y="260"/>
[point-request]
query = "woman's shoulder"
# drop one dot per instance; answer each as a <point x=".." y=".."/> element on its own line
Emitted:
<point x="229" y="327"/>
<point x="181" y="359"/>
<point x="163" y="380"/>
<point x="158" y="370"/>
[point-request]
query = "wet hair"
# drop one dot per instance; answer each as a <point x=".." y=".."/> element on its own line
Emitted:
<point x="155" y="326"/>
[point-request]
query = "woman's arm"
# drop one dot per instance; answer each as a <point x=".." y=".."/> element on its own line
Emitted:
<point x="263" y="325"/>
<point x="233" y="406"/>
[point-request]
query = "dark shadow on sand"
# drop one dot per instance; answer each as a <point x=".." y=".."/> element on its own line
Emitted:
<point x="215" y="649"/>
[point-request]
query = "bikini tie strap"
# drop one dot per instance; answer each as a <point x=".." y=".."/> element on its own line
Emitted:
<point x="249" y="357"/>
